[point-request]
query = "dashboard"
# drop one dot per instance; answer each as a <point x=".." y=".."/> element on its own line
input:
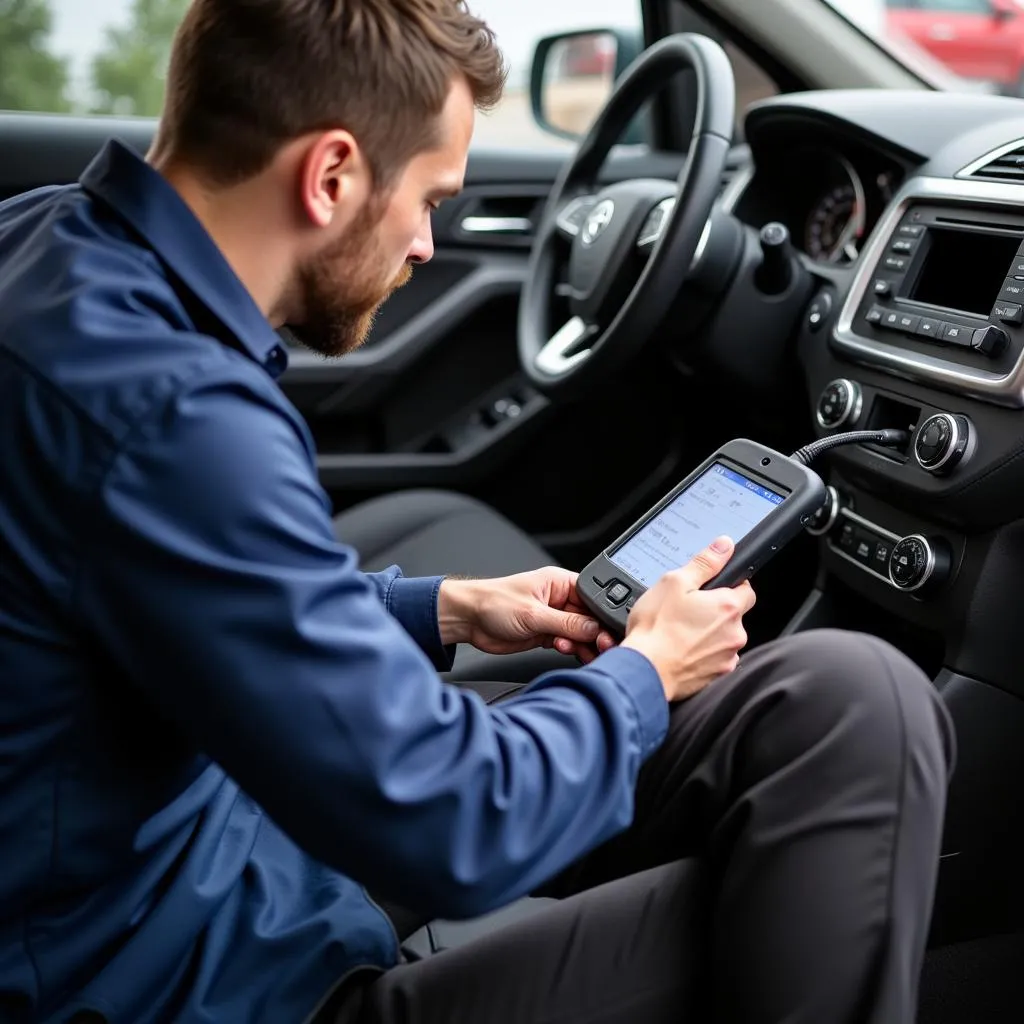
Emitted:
<point x="907" y="211"/>
<point x="829" y="194"/>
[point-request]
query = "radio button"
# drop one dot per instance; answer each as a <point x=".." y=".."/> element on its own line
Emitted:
<point x="929" y="327"/>
<point x="911" y="230"/>
<point x="902" y="245"/>
<point x="883" y="549"/>
<point x="1017" y="269"/>
<point x="865" y="549"/>
<point x="896" y="262"/>
<point x="1013" y="290"/>
<point x="1009" y="312"/>
<point x="956" y="334"/>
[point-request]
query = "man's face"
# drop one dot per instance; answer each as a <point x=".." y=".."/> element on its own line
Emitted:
<point x="340" y="288"/>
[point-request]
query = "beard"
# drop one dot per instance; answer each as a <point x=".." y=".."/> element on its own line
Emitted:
<point x="340" y="289"/>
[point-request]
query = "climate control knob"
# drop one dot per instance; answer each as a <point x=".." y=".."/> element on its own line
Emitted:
<point x="823" y="520"/>
<point x="840" y="404"/>
<point x="942" y="442"/>
<point x="918" y="563"/>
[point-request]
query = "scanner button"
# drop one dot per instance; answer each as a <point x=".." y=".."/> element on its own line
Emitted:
<point x="617" y="593"/>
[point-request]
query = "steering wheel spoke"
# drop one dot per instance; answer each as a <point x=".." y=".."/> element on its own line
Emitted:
<point x="653" y="227"/>
<point x="622" y="246"/>
<point x="566" y="348"/>
<point x="571" y="218"/>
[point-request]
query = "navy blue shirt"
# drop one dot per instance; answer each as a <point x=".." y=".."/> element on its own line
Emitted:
<point x="214" y="728"/>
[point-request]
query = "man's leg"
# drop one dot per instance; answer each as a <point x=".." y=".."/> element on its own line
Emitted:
<point x="812" y="781"/>
<point x="630" y="951"/>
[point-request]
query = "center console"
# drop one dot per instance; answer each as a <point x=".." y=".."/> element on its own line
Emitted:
<point x="939" y="296"/>
<point x="924" y="545"/>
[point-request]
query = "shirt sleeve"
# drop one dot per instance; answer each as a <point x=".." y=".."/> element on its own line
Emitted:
<point x="215" y="584"/>
<point x="414" y="603"/>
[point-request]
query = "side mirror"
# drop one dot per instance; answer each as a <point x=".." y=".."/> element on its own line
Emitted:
<point x="1004" y="10"/>
<point x="574" y="73"/>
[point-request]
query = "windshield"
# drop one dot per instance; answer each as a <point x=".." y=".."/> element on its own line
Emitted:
<point x="964" y="45"/>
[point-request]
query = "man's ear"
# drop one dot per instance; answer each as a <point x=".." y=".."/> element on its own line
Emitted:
<point x="334" y="178"/>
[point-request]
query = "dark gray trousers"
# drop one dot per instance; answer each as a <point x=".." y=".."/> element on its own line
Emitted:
<point x="780" y="867"/>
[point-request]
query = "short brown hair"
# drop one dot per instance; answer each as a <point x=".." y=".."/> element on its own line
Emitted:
<point x="248" y="76"/>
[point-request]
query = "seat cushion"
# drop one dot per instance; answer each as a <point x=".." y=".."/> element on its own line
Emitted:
<point x="442" y="533"/>
<point x="433" y="533"/>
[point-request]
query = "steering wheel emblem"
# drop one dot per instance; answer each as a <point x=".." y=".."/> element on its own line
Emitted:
<point x="600" y="217"/>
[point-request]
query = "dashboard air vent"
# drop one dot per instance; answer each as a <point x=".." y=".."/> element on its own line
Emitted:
<point x="1007" y="166"/>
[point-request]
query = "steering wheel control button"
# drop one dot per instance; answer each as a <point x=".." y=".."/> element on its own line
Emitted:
<point x="956" y="334"/>
<point x="617" y="593"/>
<point x="1009" y="312"/>
<point x="990" y="341"/>
<point x="819" y="311"/>
<point x="916" y="563"/>
<point x="574" y="214"/>
<point x="839" y="405"/>
<point x="942" y="441"/>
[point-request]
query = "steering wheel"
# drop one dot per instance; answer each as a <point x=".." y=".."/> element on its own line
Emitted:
<point x="609" y="231"/>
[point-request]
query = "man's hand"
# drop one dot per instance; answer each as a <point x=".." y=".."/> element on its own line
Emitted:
<point x="691" y="636"/>
<point x="518" y="613"/>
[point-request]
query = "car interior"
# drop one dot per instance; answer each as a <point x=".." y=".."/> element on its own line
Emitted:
<point x="847" y="253"/>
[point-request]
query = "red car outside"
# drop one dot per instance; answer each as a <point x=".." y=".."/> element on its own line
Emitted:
<point x="979" y="39"/>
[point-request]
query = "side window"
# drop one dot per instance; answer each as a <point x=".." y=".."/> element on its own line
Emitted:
<point x="110" y="57"/>
<point x="582" y="66"/>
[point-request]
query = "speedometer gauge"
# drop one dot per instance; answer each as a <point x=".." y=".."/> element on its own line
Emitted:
<point x="835" y="225"/>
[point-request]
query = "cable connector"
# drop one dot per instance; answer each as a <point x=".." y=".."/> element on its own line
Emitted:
<point x="891" y="438"/>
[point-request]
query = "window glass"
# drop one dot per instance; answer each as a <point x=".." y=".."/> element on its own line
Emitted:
<point x="110" y="57"/>
<point x="966" y="45"/>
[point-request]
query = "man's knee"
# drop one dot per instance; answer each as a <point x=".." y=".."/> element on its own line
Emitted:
<point x="858" y="688"/>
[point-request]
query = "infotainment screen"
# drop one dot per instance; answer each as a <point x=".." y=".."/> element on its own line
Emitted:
<point x="964" y="270"/>
<point x="720" y="501"/>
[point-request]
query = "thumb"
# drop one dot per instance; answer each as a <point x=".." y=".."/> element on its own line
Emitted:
<point x="707" y="564"/>
<point x="572" y="626"/>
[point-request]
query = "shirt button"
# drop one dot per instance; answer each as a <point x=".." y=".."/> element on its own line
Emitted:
<point x="276" y="361"/>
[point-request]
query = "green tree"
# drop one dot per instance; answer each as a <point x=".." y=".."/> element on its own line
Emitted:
<point x="128" y="74"/>
<point x="31" y="77"/>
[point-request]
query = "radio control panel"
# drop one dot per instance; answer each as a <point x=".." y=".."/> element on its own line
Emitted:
<point x="938" y="296"/>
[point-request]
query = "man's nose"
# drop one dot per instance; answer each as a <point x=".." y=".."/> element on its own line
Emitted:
<point x="422" y="248"/>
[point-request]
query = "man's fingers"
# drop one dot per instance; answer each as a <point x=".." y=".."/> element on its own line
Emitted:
<point x="570" y="625"/>
<point x="706" y="564"/>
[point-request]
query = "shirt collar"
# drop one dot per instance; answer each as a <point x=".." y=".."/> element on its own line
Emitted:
<point x="146" y="200"/>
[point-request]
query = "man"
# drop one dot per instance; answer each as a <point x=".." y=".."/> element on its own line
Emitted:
<point x="215" y="730"/>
